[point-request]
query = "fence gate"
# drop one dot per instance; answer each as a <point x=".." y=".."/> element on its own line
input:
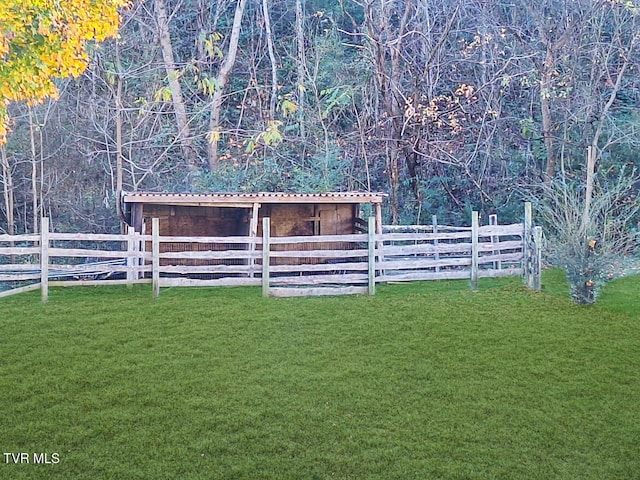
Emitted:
<point x="318" y="265"/>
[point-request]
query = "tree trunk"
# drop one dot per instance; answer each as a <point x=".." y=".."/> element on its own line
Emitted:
<point x="222" y="79"/>
<point x="301" y="66"/>
<point x="272" y="58"/>
<point x="545" y="110"/>
<point x="34" y="174"/>
<point x="7" y="182"/>
<point x="554" y="35"/>
<point x="588" y="194"/>
<point x="592" y="150"/>
<point x="387" y="44"/>
<point x="173" y="75"/>
<point x="118" y="132"/>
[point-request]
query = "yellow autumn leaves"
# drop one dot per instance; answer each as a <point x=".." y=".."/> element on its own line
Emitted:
<point x="41" y="40"/>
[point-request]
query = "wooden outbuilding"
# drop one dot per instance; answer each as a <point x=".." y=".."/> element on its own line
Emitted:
<point x="240" y="214"/>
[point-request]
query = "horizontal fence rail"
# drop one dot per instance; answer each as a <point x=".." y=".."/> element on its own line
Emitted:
<point x="283" y="266"/>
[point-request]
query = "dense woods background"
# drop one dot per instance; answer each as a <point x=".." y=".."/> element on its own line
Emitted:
<point x="446" y="105"/>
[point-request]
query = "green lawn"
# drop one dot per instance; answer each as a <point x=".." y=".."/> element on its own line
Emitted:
<point x="422" y="381"/>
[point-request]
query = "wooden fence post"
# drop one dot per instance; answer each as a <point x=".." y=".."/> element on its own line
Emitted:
<point x="537" y="260"/>
<point x="474" y="249"/>
<point x="526" y="242"/>
<point x="372" y="255"/>
<point x="436" y="256"/>
<point x="379" y="231"/>
<point x="266" y="233"/>
<point x="131" y="259"/>
<point x="44" y="258"/>
<point x="253" y="232"/>
<point x="493" y="221"/>
<point x="155" y="261"/>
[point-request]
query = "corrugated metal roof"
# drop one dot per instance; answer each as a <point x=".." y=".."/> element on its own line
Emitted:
<point x="258" y="197"/>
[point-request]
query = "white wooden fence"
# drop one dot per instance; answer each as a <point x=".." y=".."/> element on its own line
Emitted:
<point x="283" y="266"/>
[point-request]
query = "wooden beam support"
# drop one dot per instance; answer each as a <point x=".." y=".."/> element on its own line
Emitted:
<point x="137" y="217"/>
<point x="379" y="233"/>
<point x="253" y="233"/>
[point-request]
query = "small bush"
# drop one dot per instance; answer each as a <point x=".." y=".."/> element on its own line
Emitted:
<point x="595" y="248"/>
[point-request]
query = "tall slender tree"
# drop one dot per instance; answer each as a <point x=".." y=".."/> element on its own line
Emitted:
<point x="173" y="78"/>
<point x="222" y="78"/>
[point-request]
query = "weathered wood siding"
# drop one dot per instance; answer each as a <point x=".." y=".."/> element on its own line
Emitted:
<point x="189" y="221"/>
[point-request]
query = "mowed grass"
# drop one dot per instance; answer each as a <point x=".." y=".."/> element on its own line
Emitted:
<point x="422" y="381"/>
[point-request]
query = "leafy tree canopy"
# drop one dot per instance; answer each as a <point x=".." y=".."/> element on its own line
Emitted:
<point x="41" y="40"/>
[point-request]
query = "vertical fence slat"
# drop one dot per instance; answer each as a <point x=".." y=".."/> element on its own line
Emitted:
<point x="434" y="223"/>
<point x="44" y="258"/>
<point x="372" y="255"/>
<point x="474" y="250"/>
<point x="493" y="220"/>
<point x="266" y="226"/>
<point x="526" y="241"/>
<point x="253" y="232"/>
<point x="537" y="271"/>
<point x="155" y="261"/>
<point x="380" y="245"/>
<point x="131" y="260"/>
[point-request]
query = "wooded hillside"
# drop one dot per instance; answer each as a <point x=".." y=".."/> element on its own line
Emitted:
<point x="446" y="105"/>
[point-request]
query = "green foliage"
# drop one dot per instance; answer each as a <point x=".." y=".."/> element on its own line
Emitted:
<point x="335" y="97"/>
<point x="208" y="85"/>
<point x="210" y="44"/>
<point x="163" y="94"/>
<point x="288" y="107"/>
<point x="317" y="174"/>
<point x="527" y="128"/>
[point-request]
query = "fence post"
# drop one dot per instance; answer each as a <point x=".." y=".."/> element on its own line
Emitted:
<point x="44" y="258"/>
<point x="266" y="227"/>
<point x="493" y="221"/>
<point x="372" y="255"/>
<point x="436" y="255"/>
<point x="379" y="231"/>
<point x="253" y="232"/>
<point x="155" y="261"/>
<point x="537" y="260"/>
<point x="526" y="242"/>
<point x="474" y="250"/>
<point x="131" y="260"/>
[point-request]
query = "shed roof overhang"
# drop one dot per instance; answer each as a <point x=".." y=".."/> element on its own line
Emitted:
<point x="247" y="200"/>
